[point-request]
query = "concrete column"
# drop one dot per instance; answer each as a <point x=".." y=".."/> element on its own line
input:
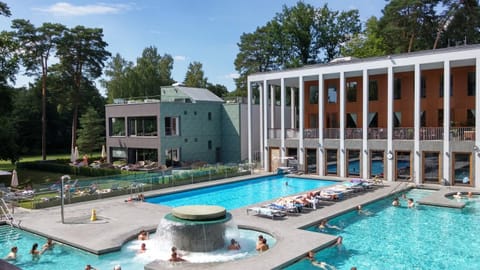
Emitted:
<point x="260" y="120"/>
<point x="282" y="120"/>
<point x="390" y="153"/>
<point x="292" y="108"/>
<point x="343" y="152"/>
<point x="301" y="112"/>
<point x="365" y="159"/>
<point x="266" y="157"/>
<point x="272" y="106"/>
<point x="446" y="124"/>
<point x="321" y="116"/>
<point x="416" y="123"/>
<point x="249" y="121"/>
<point x="477" y="124"/>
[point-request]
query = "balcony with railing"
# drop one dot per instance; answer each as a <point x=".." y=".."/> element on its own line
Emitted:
<point x="431" y="133"/>
<point x="377" y="133"/>
<point x="403" y="133"/>
<point x="353" y="133"/>
<point x="331" y="133"/>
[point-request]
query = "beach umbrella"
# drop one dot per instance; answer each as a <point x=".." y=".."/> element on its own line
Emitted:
<point x="14" y="182"/>
<point x="75" y="153"/>
<point x="104" y="152"/>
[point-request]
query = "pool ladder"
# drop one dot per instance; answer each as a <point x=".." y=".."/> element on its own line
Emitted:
<point x="7" y="213"/>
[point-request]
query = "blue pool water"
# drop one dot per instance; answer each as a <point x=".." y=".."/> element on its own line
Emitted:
<point x="426" y="237"/>
<point x="63" y="257"/>
<point x="243" y="193"/>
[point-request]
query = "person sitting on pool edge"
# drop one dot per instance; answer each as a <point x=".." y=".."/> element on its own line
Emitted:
<point x="143" y="235"/>
<point x="175" y="257"/>
<point x="234" y="245"/>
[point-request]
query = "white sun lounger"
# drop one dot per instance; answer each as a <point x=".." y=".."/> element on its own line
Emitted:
<point x="264" y="211"/>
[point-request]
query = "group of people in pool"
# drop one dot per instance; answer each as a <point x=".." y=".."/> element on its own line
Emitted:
<point x="410" y="201"/>
<point x="12" y="255"/>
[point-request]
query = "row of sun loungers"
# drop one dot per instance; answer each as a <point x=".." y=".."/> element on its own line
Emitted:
<point x="312" y="200"/>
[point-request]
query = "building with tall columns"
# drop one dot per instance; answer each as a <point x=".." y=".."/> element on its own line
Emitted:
<point x="405" y="117"/>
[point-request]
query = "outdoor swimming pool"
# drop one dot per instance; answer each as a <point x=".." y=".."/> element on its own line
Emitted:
<point x="63" y="257"/>
<point x="426" y="237"/>
<point x="243" y="193"/>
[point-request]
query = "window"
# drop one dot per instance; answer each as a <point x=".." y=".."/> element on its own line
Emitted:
<point x="172" y="156"/>
<point x="440" y="89"/>
<point x="397" y="89"/>
<point x="351" y="91"/>
<point x="351" y="120"/>
<point x="313" y="94"/>
<point x="372" y="120"/>
<point x="372" y="90"/>
<point x="470" y="118"/>
<point x="142" y="126"/>
<point x="423" y="119"/>
<point x="117" y="126"/>
<point x="209" y="145"/>
<point x="471" y="84"/>
<point x="172" y="126"/>
<point x="209" y="116"/>
<point x="118" y="153"/>
<point x="423" y="87"/>
<point x="440" y="118"/>
<point x="397" y="119"/>
<point x="332" y="94"/>
<point x="332" y="120"/>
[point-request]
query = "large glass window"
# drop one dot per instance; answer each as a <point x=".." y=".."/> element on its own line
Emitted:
<point x="331" y="161"/>
<point x="462" y="165"/>
<point x="118" y="154"/>
<point x="353" y="162"/>
<point x="332" y="94"/>
<point x="403" y="166"/>
<point x="471" y="84"/>
<point x="376" y="163"/>
<point x="313" y="94"/>
<point x="116" y="126"/>
<point x="172" y="126"/>
<point x="372" y="90"/>
<point x="431" y="167"/>
<point x="142" y="126"/>
<point x="351" y="91"/>
<point x="172" y="157"/>
<point x="397" y="89"/>
<point x="423" y="87"/>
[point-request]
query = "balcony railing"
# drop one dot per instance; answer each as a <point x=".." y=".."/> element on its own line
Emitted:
<point x="377" y="133"/>
<point x="353" y="133"/>
<point x="462" y="134"/>
<point x="431" y="133"/>
<point x="404" y="133"/>
<point x="331" y="133"/>
<point x="310" y="133"/>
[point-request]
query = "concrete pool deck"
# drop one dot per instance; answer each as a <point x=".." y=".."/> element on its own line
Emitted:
<point x="119" y="221"/>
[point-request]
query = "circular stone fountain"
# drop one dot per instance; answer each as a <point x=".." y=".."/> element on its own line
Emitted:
<point x="197" y="228"/>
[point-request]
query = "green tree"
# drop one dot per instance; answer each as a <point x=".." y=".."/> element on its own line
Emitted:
<point x="218" y="89"/>
<point x="366" y="44"/>
<point x="151" y="72"/>
<point x="408" y="25"/>
<point x="195" y="76"/>
<point x="4" y="10"/>
<point x="459" y="22"/>
<point x="117" y="71"/>
<point x="8" y="58"/>
<point x="92" y="131"/>
<point x="37" y="45"/>
<point x="82" y="53"/>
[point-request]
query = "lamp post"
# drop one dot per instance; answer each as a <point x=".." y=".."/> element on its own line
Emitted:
<point x="62" y="187"/>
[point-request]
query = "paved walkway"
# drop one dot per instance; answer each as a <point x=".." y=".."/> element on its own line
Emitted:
<point x="119" y="221"/>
